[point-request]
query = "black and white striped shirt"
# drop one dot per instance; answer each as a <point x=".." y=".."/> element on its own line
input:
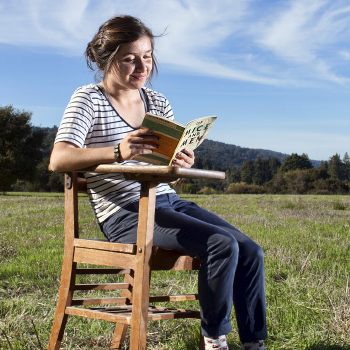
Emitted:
<point x="90" y="121"/>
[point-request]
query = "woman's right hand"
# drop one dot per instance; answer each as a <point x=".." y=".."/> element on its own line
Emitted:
<point x="141" y="141"/>
<point x="67" y="156"/>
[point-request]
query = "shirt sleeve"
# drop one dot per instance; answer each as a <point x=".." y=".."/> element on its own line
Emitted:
<point x="168" y="111"/>
<point x="159" y="105"/>
<point x="77" y="119"/>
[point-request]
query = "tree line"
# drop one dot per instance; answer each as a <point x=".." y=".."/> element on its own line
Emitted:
<point x="296" y="175"/>
<point x="25" y="155"/>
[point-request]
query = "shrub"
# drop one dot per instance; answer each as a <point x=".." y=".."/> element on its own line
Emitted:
<point x="188" y="188"/>
<point x="242" y="187"/>
<point x="339" y="206"/>
<point x="207" y="190"/>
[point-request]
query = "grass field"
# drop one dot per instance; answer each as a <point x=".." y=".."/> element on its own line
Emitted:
<point x="306" y="240"/>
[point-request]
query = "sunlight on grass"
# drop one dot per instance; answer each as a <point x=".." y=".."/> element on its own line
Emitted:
<point x="306" y="240"/>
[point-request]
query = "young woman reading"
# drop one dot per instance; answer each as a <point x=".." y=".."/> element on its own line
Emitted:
<point x="101" y="124"/>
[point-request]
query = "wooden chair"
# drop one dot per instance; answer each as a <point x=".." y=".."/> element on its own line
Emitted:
<point x="135" y="261"/>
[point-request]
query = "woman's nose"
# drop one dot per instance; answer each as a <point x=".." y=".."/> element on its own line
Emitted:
<point x="141" y="66"/>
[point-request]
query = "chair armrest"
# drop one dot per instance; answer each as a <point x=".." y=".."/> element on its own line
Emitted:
<point x="155" y="173"/>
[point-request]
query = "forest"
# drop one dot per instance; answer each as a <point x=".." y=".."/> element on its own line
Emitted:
<point x="25" y="155"/>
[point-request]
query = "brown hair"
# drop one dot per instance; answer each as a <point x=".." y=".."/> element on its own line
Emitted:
<point x="102" y="49"/>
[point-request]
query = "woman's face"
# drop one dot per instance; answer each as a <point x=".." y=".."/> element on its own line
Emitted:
<point x="132" y="64"/>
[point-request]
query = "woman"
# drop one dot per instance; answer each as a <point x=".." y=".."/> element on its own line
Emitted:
<point x="101" y="124"/>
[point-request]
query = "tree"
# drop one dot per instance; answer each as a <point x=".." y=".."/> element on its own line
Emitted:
<point x="233" y="175"/>
<point x="20" y="147"/>
<point x="324" y="164"/>
<point x="336" y="168"/>
<point x="247" y="172"/>
<point x="274" y="165"/>
<point x="296" y="162"/>
<point x="346" y="161"/>
<point x="260" y="172"/>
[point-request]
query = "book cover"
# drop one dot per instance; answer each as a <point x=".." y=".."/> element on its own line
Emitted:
<point x="174" y="137"/>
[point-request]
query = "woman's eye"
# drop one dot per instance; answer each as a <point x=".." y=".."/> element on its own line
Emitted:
<point x="130" y="60"/>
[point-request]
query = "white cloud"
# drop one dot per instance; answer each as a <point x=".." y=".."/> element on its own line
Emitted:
<point x="305" y="33"/>
<point x="345" y="55"/>
<point x="297" y="42"/>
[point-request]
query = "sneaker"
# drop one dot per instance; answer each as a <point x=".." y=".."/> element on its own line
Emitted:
<point x="255" y="345"/>
<point x="218" y="343"/>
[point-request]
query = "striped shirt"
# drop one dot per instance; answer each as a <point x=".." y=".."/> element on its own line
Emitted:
<point x="90" y="121"/>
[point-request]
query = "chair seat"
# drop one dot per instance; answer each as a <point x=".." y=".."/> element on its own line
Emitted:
<point x="162" y="259"/>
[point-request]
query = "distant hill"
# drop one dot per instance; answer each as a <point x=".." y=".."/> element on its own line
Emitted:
<point x="229" y="156"/>
<point x="221" y="154"/>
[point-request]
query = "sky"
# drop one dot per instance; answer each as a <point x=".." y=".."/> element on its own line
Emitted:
<point x="275" y="72"/>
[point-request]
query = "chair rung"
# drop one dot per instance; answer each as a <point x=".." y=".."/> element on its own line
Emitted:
<point x="105" y="245"/>
<point x="122" y="314"/>
<point x="163" y="298"/>
<point x="101" y="271"/>
<point x="158" y="314"/>
<point x="102" y="286"/>
<point x="118" y="315"/>
<point x="99" y="301"/>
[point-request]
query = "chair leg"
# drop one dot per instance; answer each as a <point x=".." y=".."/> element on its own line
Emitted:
<point x="139" y="316"/>
<point x="142" y="270"/>
<point x="201" y="342"/>
<point x="119" y="335"/>
<point x="65" y="297"/>
<point x="121" y="329"/>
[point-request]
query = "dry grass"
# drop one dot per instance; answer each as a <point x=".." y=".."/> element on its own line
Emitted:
<point x="307" y="255"/>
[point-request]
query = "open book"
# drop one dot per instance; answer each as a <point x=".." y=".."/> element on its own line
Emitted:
<point x="174" y="137"/>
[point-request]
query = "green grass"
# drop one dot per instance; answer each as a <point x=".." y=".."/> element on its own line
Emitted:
<point x="306" y="240"/>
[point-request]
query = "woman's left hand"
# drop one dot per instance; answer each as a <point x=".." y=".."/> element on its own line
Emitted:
<point x="184" y="159"/>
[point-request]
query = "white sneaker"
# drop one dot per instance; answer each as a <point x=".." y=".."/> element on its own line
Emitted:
<point x="218" y="343"/>
<point x="255" y="345"/>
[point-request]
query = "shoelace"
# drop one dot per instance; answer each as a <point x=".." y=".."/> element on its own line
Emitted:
<point x="255" y="345"/>
<point x="216" y="343"/>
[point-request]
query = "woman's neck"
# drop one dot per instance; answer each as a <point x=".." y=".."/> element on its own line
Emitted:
<point x="121" y="96"/>
<point x="128" y="104"/>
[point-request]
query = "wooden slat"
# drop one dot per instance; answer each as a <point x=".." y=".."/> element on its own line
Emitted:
<point x="122" y="314"/>
<point x="102" y="286"/>
<point x="105" y="258"/>
<point x="171" y="315"/>
<point x="105" y="245"/>
<point x="163" y="259"/>
<point x="101" y="314"/>
<point x="173" y="298"/>
<point x="99" y="301"/>
<point x="171" y="171"/>
<point x="101" y="271"/>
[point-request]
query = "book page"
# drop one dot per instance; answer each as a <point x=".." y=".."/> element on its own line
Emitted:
<point x="195" y="133"/>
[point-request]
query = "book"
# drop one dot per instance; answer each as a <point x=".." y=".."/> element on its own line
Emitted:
<point x="174" y="137"/>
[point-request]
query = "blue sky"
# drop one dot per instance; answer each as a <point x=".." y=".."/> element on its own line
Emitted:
<point x="275" y="72"/>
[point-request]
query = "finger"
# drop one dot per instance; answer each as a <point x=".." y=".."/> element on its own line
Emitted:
<point x="184" y="157"/>
<point x="180" y="163"/>
<point x="143" y="131"/>
<point x="188" y="152"/>
<point x="144" y="146"/>
<point x="143" y="138"/>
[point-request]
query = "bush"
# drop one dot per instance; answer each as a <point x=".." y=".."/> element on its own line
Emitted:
<point x="243" y="188"/>
<point x="189" y="188"/>
<point x="339" y="206"/>
<point x="207" y="190"/>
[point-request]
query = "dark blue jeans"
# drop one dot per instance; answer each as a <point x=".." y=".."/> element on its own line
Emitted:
<point x="232" y="265"/>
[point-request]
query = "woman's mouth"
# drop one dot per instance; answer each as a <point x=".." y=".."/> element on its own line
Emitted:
<point x="139" y="77"/>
